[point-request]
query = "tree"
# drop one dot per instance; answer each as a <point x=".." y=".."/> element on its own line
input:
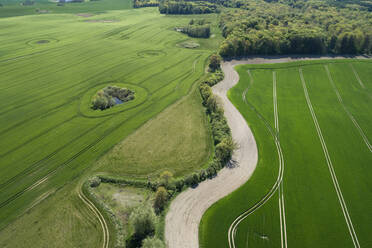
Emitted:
<point x="152" y="243"/>
<point x="214" y="62"/>
<point x="142" y="220"/>
<point x="165" y="178"/>
<point x="224" y="149"/>
<point x="161" y="197"/>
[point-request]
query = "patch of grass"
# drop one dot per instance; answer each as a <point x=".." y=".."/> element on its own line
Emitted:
<point x="313" y="213"/>
<point x="68" y="220"/>
<point x="177" y="140"/>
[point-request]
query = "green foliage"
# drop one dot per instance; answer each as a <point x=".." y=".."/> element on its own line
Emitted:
<point x="145" y="3"/>
<point x="165" y="178"/>
<point x="187" y="7"/>
<point x="192" y="180"/>
<point x="152" y="243"/>
<point x="142" y="221"/>
<point x="214" y="62"/>
<point x="224" y="149"/>
<point x="94" y="182"/>
<point x="197" y="29"/>
<point x="161" y="197"/>
<point x="104" y="99"/>
<point x="308" y="27"/>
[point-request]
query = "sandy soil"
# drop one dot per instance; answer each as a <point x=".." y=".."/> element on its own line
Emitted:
<point x="186" y="211"/>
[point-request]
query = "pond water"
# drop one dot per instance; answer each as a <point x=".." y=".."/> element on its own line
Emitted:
<point x="117" y="100"/>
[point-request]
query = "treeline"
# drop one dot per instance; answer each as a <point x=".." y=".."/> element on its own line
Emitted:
<point x="311" y="27"/>
<point x="184" y="7"/>
<point x="197" y="29"/>
<point x="145" y="3"/>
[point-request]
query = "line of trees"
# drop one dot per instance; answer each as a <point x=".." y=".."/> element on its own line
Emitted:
<point x="186" y="7"/>
<point x="197" y="29"/>
<point x="145" y="3"/>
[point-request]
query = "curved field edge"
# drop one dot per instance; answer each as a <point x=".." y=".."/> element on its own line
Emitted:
<point x="219" y="216"/>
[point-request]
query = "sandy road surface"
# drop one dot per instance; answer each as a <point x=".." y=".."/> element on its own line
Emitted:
<point x="182" y="220"/>
<point x="186" y="211"/>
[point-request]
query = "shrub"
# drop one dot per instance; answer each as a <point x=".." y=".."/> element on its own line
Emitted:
<point x="104" y="98"/>
<point x="179" y="184"/>
<point x="161" y="197"/>
<point x="192" y="180"/>
<point x="165" y="178"/>
<point x="152" y="243"/>
<point x="214" y="62"/>
<point x="225" y="149"/>
<point x="94" y="182"/>
<point x="142" y="221"/>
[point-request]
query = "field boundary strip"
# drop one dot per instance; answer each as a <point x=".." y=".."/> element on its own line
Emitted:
<point x="233" y="227"/>
<point x="330" y="165"/>
<point x="283" y="226"/>
<point x="360" y="130"/>
<point x="97" y="213"/>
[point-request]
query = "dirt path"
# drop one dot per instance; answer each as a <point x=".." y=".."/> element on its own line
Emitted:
<point x="182" y="220"/>
<point x="186" y="211"/>
<point x="97" y="213"/>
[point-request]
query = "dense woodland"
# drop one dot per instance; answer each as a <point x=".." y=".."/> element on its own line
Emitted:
<point x="295" y="27"/>
<point x="284" y="26"/>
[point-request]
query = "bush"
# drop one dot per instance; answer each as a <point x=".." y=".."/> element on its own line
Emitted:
<point x="179" y="184"/>
<point x="142" y="221"/>
<point x="161" y="197"/>
<point x="214" y="62"/>
<point x="94" y="182"/>
<point x="166" y="178"/>
<point x="225" y="149"/>
<point x="192" y="180"/>
<point x="104" y="98"/>
<point x="152" y="243"/>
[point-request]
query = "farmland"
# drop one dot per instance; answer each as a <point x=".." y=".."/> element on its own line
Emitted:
<point x="311" y="187"/>
<point x="51" y="66"/>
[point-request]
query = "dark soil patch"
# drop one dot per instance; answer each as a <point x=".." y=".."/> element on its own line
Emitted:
<point x="42" y="41"/>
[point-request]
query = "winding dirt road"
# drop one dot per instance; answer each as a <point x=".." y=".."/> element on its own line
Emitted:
<point x="186" y="211"/>
<point x="183" y="218"/>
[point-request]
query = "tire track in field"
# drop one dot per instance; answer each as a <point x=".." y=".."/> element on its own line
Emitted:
<point x="97" y="213"/>
<point x="63" y="89"/>
<point x="233" y="227"/>
<point x="351" y="117"/>
<point x="357" y="76"/>
<point x="53" y="171"/>
<point x="330" y="165"/>
<point x="37" y="136"/>
<point x="283" y="226"/>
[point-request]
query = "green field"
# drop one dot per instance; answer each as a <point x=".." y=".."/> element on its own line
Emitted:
<point x="323" y="112"/>
<point x="51" y="65"/>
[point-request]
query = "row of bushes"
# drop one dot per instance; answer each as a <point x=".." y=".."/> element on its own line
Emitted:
<point x="145" y="3"/>
<point x="197" y="31"/>
<point x="181" y="7"/>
